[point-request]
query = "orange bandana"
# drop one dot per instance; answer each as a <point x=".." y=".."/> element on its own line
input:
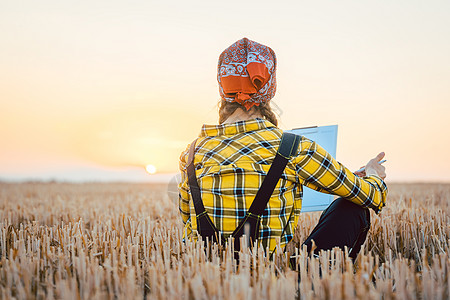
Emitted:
<point x="246" y="73"/>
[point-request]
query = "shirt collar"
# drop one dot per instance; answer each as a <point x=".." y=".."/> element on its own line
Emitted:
<point x="235" y="128"/>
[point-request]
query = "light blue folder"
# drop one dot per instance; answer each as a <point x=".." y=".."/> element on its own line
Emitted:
<point x="325" y="136"/>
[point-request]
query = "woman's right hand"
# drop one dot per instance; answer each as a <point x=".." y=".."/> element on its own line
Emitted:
<point x="374" y="168"/>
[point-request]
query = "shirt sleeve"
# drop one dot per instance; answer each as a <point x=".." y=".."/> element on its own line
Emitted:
<point x="318" y="170"/>
<point x="183" y="190"/>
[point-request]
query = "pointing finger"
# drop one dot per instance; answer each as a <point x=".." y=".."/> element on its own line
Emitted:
<point x="380" y="156"/>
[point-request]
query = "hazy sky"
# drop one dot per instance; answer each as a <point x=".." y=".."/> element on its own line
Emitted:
<point x="113" y="84"/>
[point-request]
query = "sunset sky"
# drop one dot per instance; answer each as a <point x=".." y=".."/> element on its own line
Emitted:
<point x="97" y="89"/>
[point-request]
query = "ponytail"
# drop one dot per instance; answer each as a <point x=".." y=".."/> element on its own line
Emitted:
<point x="226" y="109"/>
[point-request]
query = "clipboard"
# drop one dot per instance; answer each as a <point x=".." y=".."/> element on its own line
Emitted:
<point x="326" y="137"/>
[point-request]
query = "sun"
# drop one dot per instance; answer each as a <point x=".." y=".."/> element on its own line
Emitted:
<point x="151" y="169"/>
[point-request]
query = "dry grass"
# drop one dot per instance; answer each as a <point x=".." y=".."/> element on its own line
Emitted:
<point x="114" y="241"/>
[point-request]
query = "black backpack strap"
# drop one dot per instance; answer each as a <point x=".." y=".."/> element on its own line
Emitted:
<point x="288" y="147"/>
<point x="205" y="226"/>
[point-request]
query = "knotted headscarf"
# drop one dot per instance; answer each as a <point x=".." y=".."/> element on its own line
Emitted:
<point x="246" y="73"/>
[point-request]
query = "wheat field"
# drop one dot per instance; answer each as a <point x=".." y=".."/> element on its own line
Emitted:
<point x="124" y="241"/>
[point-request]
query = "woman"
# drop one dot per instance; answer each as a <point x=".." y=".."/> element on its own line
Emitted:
<point x="232" y="159"/>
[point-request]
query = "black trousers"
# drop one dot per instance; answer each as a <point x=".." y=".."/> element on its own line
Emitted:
<point x="343" y="223"/>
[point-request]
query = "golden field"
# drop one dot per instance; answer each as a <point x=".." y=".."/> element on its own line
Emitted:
<point x="116" y="241"/>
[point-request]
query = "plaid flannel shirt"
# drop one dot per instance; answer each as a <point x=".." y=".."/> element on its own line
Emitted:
<point x="231" y="161"/>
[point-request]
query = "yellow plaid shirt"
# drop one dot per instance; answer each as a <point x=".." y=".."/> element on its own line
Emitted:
<point x="231" y="161"/>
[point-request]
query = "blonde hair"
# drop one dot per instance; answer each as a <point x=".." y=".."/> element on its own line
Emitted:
<point x="226" y="109"/>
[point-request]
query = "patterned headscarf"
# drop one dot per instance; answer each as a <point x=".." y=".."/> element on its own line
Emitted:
<point x="246" y="73"/>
